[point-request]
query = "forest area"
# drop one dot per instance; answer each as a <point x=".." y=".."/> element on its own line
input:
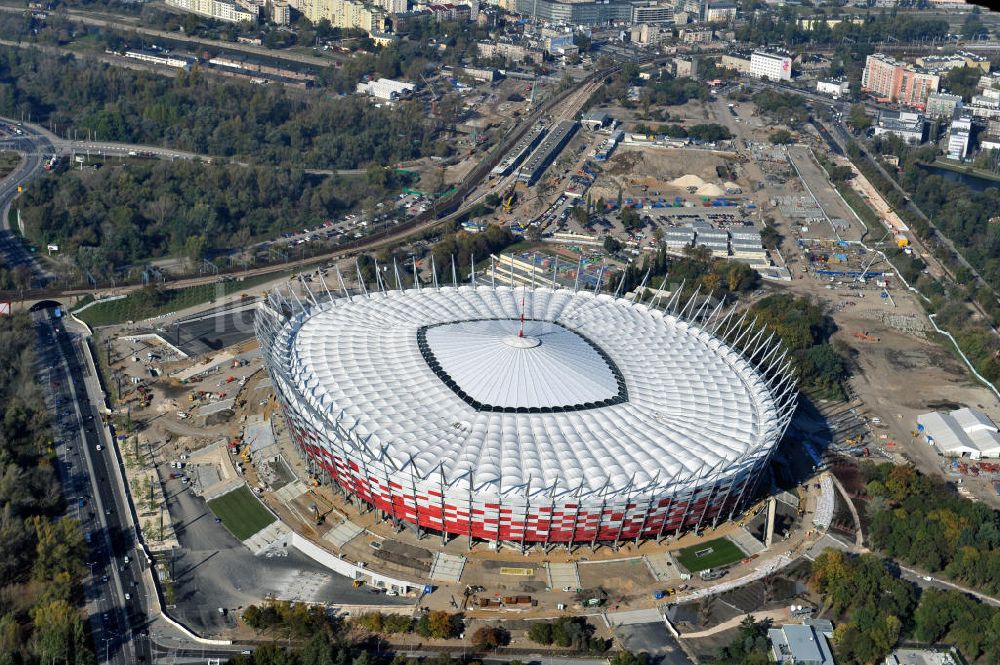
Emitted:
<point x="41" y="553"/>
<point x="128" y="213"/>
<point x="199" y="113"/>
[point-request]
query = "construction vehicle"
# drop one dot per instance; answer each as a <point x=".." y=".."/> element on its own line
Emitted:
<point x="865" y="337"/>
<point x="357" y="584"/>
<point x="511" y="195"/>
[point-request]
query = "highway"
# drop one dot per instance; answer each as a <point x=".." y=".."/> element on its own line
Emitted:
<point x="35" y="148"/>
<point x="115" y="596"/>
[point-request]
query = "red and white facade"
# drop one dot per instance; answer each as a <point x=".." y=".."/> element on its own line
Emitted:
<point x="529" y="415"/>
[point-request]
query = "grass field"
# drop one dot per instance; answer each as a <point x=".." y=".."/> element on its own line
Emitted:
<point x="241" y="512"/>
<point x="142" y="304"/>
<point x="724" y="552"/>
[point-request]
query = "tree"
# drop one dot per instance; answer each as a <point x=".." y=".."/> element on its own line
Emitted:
<point x="612" y="245"/>
<point x="541" y="632"/>
<point x="781" y="137"/>
<point x="491" y="637"/>
<point x="750" y="647"/>
<point x="628" y="658"/>
<point x="858" y="118"/>
<point x="439" y="624"/>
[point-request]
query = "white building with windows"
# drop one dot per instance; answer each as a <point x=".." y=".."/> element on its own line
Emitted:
<point x="775" y="66"/>
<point x="834" y="88"/>
<point x="218" y="9"/>
<point x="958" y="136"/>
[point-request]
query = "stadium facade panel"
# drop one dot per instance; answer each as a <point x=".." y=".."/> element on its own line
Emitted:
<point x="541" y="415"/>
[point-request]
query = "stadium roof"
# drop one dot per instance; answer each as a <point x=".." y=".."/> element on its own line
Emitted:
<point x="599" y="394"/>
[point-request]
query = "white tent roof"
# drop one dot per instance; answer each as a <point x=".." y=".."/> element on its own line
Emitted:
<point x="962" y="432"/>
<point x="620" y="393"/>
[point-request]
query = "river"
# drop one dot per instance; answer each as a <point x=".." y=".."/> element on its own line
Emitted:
<point x="972" y="181"/>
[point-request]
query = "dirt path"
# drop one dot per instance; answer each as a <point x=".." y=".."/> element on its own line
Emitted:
<point x="776" y="616"/>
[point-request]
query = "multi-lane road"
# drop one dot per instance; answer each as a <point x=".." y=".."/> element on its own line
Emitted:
<point x="34" y="147"/>
<point x="116" y="597"/>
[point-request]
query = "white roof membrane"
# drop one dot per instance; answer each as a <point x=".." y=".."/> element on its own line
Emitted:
<point x="691" y="403"/>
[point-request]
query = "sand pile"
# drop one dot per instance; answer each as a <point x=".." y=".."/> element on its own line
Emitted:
<point x="687" y="180"/>
<point x="708" y="189"/>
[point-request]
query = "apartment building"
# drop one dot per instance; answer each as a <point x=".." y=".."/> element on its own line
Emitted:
<point x="217" y="9"/>
<point x="897" y="81"/>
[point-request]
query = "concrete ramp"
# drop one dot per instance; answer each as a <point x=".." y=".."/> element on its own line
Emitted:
<point x="633" y="617"/>
<point x="661" y="567"/>
<point x="447" y="567"/>
<point x="291" y="491"/>
<point x="271" y="537"/>
<point x="562" y="575"/>
<point x="746" y="542"/>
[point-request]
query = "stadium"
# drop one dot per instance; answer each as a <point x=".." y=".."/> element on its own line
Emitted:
<point x="529" y="415"/>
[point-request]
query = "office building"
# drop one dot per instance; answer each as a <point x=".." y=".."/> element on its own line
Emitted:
<point x="835" y="88"/>
<point x="738" y="61"/>
<point x="802" y="643"/>
<point x="720" y="12"/>
<point x="386" y="89"/>
<point x="958" y="135"/>
<point x="942" y="105"/>
<point x="653" y="13"/>
<point x="776" y="66"/>
<point x="904" y="124"/>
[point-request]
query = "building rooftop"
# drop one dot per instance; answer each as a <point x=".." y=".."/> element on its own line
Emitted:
<point x="802" y="642"/>
<point x="961" y="432"/>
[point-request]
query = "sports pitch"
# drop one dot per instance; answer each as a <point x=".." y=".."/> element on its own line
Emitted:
<point x="241" y="512"/>
<point x="722" y="553"/>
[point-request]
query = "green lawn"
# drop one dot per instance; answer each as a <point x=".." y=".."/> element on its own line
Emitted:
<point x="143" y="305"/>
<point x="724" y="552"/>
<point x="241" y="512"/>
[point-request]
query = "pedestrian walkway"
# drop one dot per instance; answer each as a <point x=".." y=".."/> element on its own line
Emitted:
<point x="563" y="575"/>
<point x="447" y="567"/>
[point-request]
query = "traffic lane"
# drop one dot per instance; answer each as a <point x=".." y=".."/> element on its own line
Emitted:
<point x="117" y="612"/>
<point x="107" y="626"/>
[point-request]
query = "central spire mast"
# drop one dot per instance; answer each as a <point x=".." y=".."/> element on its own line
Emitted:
<point x="521" y="332"/>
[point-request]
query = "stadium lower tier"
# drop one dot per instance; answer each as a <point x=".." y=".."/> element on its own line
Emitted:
<point x="562" y="520"/>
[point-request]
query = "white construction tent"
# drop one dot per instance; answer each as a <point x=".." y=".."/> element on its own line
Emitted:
<point x="961" y="433"/>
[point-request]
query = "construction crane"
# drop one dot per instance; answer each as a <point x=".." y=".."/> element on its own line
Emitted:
<point x="434" y="94"/>
<point x="511" y="195"/>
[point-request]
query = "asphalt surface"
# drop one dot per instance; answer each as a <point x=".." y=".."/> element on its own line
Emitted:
<point x="213" y="331"/>
<point x="113" y="590"/>
<point x="654" y="640"/>
<point x="212" y="570"/>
